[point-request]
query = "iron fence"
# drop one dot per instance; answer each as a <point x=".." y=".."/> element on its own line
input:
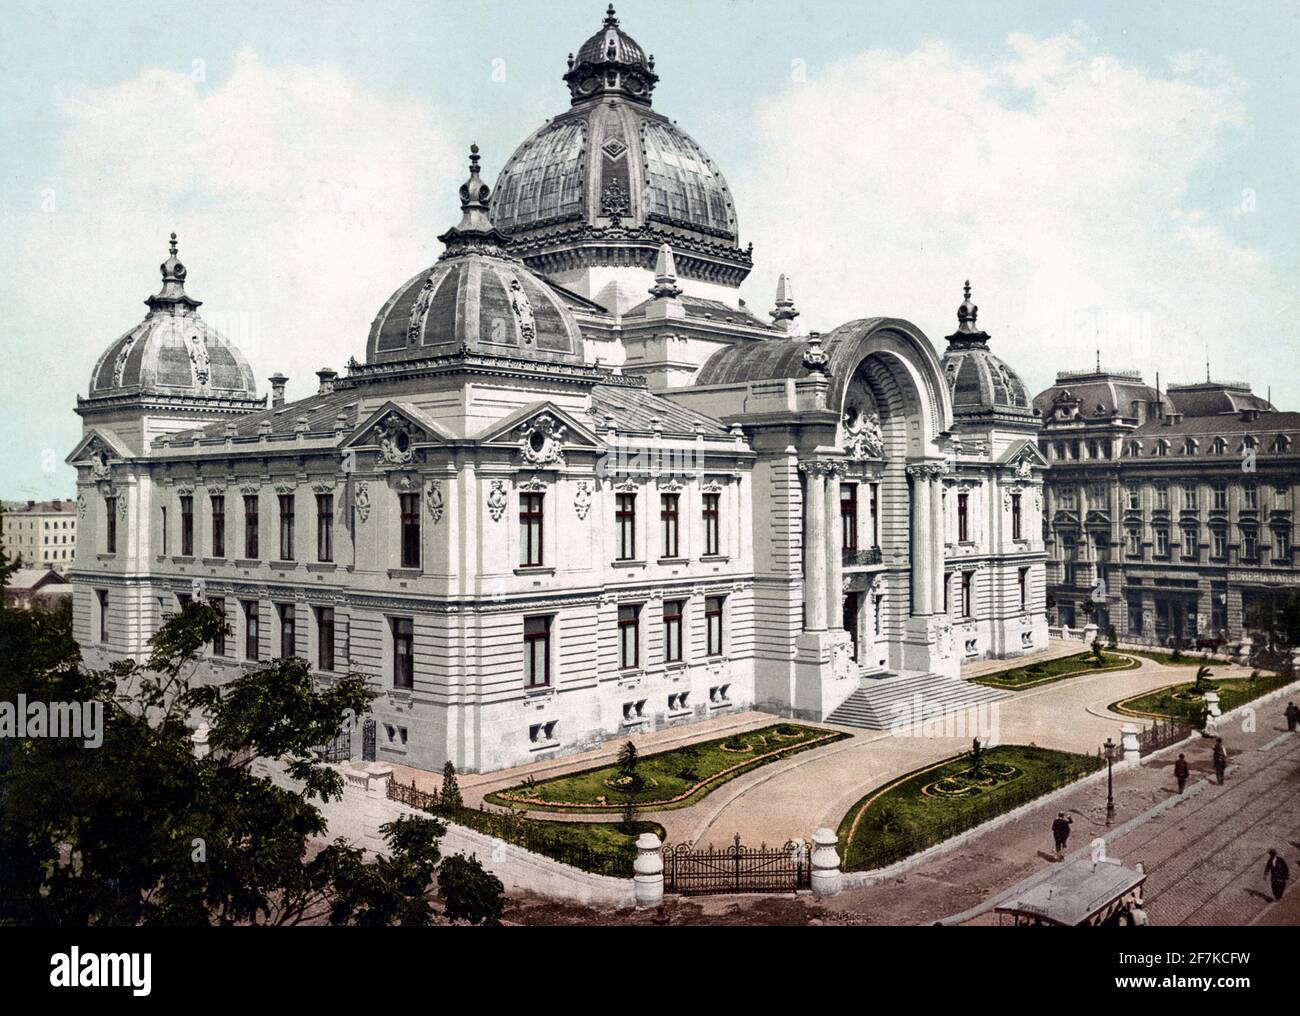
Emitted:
<point x="736" y="868"/>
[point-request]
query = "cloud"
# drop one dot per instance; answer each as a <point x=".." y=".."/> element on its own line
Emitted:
<point x="301" y="201"/>
<point x="1059" y="181"/>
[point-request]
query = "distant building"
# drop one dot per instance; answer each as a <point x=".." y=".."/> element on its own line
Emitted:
<point x="28" y="586"/>
<point x="1172" y="512"/>
<point x="44" y="533"/>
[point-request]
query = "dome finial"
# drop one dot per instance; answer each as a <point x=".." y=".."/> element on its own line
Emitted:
<point x="172" y="295"/>
<point x="784" y="313"/>
<point x="611" y="19"/>
<point x="475" y="226"/>
<point x="967" y="313"/>
<point x="610" y="63"/>
<point x="172" y="245"/>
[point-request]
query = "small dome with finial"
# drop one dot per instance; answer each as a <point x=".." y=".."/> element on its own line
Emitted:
<point x="980" y="382"/>
<point x="173" y="353"/>
<point x="477" y="297"/>
<point x="611" y="62"/>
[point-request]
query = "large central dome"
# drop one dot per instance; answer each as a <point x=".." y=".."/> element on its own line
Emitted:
<point x="604" y="184"/>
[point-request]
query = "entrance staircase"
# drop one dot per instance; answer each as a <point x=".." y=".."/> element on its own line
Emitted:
<point x="873" y="705"/>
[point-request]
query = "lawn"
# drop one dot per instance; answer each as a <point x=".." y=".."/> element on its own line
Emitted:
<point x="940" y="801"/>
<point x="1169" y="660"/>
<point x="667" y="779"/>
<point x="1034" y="674"/>
<point x="1181" y="702"/>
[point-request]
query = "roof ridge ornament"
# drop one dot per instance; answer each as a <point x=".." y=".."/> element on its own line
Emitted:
<point x="815" y="358"/>
<point x="665" y="287"/>
<point x="968" y="332"/>
<point x="172" y="294"/>
<point x="784" y="313"/>
<point x="474" y="232"/>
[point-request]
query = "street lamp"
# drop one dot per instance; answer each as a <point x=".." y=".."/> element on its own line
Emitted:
<point x="1110" y="779"/>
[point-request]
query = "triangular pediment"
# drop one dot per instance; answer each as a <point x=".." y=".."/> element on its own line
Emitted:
<point x="1023" y="454"/>
<point x="97" y="448"/>
<point x="513" y="428"/>
<point x="393" y="419"/>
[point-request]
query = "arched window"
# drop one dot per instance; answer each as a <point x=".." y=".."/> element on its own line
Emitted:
<point x="1220" y="446"/>
<point x="1281" y="444"/>
<point x="1162" y="447"/>
<point x="1189" y="446"/>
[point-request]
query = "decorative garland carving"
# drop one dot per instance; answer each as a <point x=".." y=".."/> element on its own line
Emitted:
<point x="582" y="499"/>
<point x="361" y="499"/>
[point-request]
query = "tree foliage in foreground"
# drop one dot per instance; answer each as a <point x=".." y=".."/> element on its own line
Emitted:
<point x="140" y="831"/>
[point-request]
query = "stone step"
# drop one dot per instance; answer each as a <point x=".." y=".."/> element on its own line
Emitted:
<point x="872" y="704"/>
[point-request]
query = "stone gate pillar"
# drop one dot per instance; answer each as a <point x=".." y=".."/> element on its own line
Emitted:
<point x="825" y="876"/>
<point x="648" y="872"/>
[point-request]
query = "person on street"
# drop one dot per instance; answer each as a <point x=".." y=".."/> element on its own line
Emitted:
<point x="1061" y="832"/>
<point x="1277" y="873"/>
<point x="1181" y="772"/>
<point x="1292" y="716"/>
<point x="1220" y="760"/>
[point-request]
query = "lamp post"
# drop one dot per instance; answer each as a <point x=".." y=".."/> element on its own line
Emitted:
<point x="1110" y="779"/>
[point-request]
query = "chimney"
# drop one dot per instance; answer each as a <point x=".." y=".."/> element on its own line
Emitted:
<point x="58" y="504"/>
<point x="327" y="376"/>
<point x="278" y="381"/>
<point x="31" y="504"/>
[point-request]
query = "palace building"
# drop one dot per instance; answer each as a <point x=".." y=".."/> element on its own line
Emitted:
<point x="576" y="489"/>
<point x="1170" y="513"/>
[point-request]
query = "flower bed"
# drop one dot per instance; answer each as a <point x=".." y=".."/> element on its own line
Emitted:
<point x="1033" y="674"/>
<point x="669" y="779"/>
<point x="908" y="815"/>
<point x="1181" y="702"/>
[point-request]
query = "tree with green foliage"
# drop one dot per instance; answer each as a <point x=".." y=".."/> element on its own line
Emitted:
<point x="1202" y="672"/>
<point x="977" y="759"/>
<point x="628" y="759"/>
<point x="450" y="795"/>
<point x="469" y="892"/>
<point x="142" y="831"/>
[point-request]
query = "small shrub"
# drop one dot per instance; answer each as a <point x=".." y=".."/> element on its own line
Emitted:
<point x="469" y="892"/>
<point x="450" y="787"/>
<point x="734" y="743"/>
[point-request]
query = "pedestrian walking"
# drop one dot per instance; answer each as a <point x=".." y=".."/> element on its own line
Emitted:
<point x="1220" y="760"/>
<point x="1061" y="832"/>
<point x="1181" y="771"/>
<point x="1277" y="873"/>
<point x="1292" y="716"/>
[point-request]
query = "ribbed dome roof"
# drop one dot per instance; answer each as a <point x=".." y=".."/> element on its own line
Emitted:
<point x="611" y="63"/>
<point x="173" y="352"/>
<point x="980" y="382"/>
<point x="477" y="297"/>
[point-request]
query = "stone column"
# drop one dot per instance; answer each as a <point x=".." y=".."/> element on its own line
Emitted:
<point x="1128" y="739"/>
<point x="834" y="557"/>
<point x="866" y="521"/>
<point x="825" y="876"/>
<point x="814" y="584"/>
<point x="922" y="550"/>
<point x="648" y="872"/>
<point x="937" y="530"/>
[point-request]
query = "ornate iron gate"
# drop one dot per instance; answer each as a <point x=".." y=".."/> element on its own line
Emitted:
<point x="736" y="868"/>
<point x="368" y="741"/>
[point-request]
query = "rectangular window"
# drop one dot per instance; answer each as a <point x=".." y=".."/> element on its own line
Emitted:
<point x="288" y="644"/>
<point x="1023" y="585"/>
<point x="629" y="637"/>
<point x="187" y="526"/>
<point x="712" y="543"/>
<point x="1134" y="499"/>
<point x="1251" y="494"/>
<point x="252" y="647"/>
<point x="219" y="639"/>
<point x="1219" y="540"/>
<point x="409" y="506"/>
<point x="164" y="529"/>
<point x="110" y="525"/>
<point x="1162" y="542"/>
<point x="967" y="581"/>
<point x="668" y="523"/>
<point x="1135" y="542"/>
<point x="1220" y="496"/>
<point x="325" y="528"/>
<point x="1282" y="546"/>
<point x="532" y="519"/>
<point x="1162" y="497"/>
<point x="1189" y="543"/>
<point x="673" y="630"/>
<point x="537" y="652"/>
<point x="625" y="521"/>
<point x="218" y="525"/>
<point x="963" y="518"/>
<point x="325" y="638"/>
<point x="1069" y="497"/>
<point x="102" y="596"/>
<point x="1135" y="615"/>
<point x="1015" y="517"/>
<point x="250" y="526"/>
<point x="713" y="625"/>
<point x="849" y="516"/>
<point x="1249" y="545"/>
<point x="875" y="515"/>
<point x="286" y="527"/>
<point x="403" y="653"/>
<point x="1189" y="496"/>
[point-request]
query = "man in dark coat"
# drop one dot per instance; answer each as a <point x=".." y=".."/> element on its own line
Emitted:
<point x="1061" y="832"/>
<point x="1181" y="772"/>
<point x="1220" y="760"/>
<point x="1277" y="873"/>
<point x="1292" y="716"/>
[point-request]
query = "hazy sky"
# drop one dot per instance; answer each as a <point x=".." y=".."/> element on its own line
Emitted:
<point x="1119" y="175"/>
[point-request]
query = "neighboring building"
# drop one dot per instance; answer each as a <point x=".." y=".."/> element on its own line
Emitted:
<point x="577" y="489"/>
<point x="1172" y="511"/>
<point x="43" y="533"/>
<point x="44" y="586"/>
